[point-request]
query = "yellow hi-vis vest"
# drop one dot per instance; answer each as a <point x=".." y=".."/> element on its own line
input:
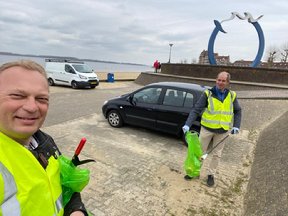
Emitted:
<point x="26" y="188"/>
<point x="218" y="114"/>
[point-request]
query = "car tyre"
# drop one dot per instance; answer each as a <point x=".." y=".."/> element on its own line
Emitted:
<point x="114" y="119"/>
<point x="74" y="85"/>
<point x="51" y="82"/>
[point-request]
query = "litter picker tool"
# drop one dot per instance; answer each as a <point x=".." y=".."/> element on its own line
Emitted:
<point x="75" y="158"/>
<point x="203" y="157"/>
<point x="73" y="178"/>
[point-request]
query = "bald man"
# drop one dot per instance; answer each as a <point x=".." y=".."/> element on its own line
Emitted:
<point x="221" y="115"/>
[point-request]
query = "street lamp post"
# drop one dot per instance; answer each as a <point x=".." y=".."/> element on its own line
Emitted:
<point x="170" y="52"/>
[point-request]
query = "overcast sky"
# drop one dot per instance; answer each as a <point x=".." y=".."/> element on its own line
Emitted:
<point x="139" y="31"/>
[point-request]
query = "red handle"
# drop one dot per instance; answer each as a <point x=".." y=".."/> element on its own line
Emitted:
<point x="80" y="146"/>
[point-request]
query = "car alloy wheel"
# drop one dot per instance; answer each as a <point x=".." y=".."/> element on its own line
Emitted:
<point x="114" y="119"/>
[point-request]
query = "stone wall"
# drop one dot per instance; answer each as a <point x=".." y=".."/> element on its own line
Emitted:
<point x="146" y="78"/>
<point x="245" y="74"/>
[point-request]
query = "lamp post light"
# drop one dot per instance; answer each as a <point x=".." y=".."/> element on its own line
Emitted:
<point x="170" y="52"/>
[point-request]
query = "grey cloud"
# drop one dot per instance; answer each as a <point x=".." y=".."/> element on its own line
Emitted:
<point x="135" y="31"/>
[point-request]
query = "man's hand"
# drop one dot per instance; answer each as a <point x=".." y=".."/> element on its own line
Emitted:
<point x="185" y="129"/>
<point x="235" y="130"/>
<point x="77" y="213"/>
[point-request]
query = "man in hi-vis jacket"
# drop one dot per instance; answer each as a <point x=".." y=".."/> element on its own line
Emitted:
<point x="220" y="112"/>
<point x="29" y="166"/>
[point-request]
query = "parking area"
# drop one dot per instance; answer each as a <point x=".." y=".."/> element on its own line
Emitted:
<point x="140" y="172"/>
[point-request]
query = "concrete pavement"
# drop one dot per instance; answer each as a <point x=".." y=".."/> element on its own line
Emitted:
<point x="267" y="189"/>
<point x="140" y="172"/>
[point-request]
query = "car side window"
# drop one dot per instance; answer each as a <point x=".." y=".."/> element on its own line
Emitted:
<point x="189" y="100"/>
<point x="69" y="69"/>
<point x="148" y="95"/>
<point x="174" y="97"/>
<point x="169" y="98"/>
<point x="179" y="101"/>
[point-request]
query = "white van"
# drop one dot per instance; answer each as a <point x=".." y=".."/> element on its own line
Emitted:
<point x="70" y="72"/>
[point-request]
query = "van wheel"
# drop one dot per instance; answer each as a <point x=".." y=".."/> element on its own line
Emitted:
<point x="115" y="119"/>
<point x="74" y="85"/>
<point x="51" y="82"/>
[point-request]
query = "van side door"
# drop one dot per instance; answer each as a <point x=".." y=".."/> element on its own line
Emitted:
<point x="68" y="75"/>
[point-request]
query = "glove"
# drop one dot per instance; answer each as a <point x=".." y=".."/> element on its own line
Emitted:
<point x="185" y="129"/>
<point x="235" y="130"/>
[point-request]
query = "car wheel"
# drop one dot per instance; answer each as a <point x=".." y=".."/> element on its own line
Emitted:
<point x="115" y="119"/>
<point x="74" y="85"/>
<point x="51" y="82"/>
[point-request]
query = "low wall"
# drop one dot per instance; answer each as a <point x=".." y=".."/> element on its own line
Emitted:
<point x="246" y="74"/>
<point x="147" y="78"/>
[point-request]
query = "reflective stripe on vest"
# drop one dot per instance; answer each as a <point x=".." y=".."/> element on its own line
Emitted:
<point x="218" y="114"/>
<point x="58" y="203"/>
<point x="9" y="203"/>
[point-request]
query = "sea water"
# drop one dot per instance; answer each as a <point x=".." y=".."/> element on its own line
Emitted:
<point x="96" y="66"/>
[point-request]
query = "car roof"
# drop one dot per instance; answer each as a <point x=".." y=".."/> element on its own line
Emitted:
<point x="181" y="85"/>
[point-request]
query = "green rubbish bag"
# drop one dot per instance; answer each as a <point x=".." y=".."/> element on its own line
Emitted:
<point x="73" y="179"/>
<point x="192" y="164"/>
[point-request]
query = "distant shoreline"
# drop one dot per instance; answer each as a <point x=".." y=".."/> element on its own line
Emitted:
<point x="100" y="66"/>
<point x="69" y="57"/>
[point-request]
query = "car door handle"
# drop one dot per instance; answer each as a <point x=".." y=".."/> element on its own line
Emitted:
<point x="149" y="109"/>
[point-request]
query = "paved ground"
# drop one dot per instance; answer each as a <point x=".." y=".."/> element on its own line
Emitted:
<point x="264" y="94"/>
<point x="267" y="186"/>
<point x="140" y="172"/>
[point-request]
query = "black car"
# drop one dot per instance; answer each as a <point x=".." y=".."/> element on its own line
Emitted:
<point x="162" y="106"/>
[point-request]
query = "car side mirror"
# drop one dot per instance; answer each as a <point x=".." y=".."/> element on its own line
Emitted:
<point x="132" y="100"/>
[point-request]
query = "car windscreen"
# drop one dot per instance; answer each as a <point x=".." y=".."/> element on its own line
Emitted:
<point x="82" y="68"/>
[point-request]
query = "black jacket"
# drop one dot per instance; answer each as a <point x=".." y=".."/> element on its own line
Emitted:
<point x="46" y="149"/>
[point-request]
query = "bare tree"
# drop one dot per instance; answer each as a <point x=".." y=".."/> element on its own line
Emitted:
<point x="272" y="51"/>
<point x="284" y="52"/>
<point x="271" y="57"/>
<point x="194" y="61"/>
<point x="184" y="61"/>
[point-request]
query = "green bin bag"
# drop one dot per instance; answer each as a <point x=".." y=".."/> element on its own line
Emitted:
<point x="192" y="164"/>
<point x="73" y="179"/>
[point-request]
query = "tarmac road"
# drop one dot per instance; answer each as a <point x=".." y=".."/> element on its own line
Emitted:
<point x="67" y="103"/>
<point x="140" y="172"/>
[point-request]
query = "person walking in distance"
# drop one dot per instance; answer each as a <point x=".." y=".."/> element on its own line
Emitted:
<point x="220" y="109"/>
<point x="156" y="65"/>
<point x="29" y="166"/>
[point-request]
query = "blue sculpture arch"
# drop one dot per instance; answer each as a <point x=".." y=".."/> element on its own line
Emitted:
<point x="218" y="28"/>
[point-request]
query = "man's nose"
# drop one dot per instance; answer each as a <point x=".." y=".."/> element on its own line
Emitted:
<point x="30" y="105"/>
